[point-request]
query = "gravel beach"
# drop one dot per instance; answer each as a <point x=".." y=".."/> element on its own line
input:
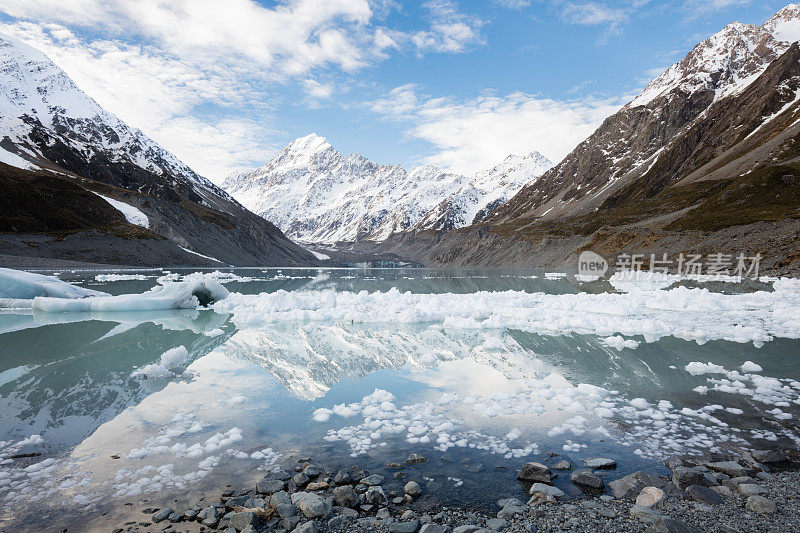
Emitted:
<point x="751" y="491"/>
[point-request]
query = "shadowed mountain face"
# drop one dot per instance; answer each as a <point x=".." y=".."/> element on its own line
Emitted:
<point x="55" y="137"/>
<point x="704" y="161"/>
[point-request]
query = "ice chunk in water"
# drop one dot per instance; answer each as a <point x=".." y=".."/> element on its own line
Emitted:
<point x="16" y="287"/>
<point x="194" y="290"/>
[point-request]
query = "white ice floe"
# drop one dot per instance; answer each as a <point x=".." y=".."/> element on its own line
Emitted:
<point x="643" y="280"/>
<point x="773" y="392"/>
<point x="131" y="213"/>
<point x="18" y="288"/>
<point x="426" y="423"/>
<point x="692" y="314"/>
<point x="749" y="366"/>
<point x="120" y="277"/>
<point x="652" y="429"/>
<point x="170" y="445"/>
<point x="619" y="342"/>
<point x="169" y="360"/>
<point x="697" y="368"/>
<point x="194" y="290"/>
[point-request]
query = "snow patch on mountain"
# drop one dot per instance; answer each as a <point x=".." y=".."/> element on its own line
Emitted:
<point x="316" y="194"/>
<point x="131" y="213"/>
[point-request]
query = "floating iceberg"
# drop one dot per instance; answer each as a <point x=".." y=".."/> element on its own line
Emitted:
<point x="18" y="289"/>
<point x="194" y="290"/>
<point x="163" y="369"/>
<point x="48" y="294"/>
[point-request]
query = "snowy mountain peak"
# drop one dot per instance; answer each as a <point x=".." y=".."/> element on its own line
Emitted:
<point x="310" y="144"/>
<point x="785" y="24"/>
<point x="729" y="60"/>
<point x="38" y="100"/>
<point x="317" y="195"/>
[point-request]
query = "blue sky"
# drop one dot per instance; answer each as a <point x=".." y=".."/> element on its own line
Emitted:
<point x="458" y="84"/>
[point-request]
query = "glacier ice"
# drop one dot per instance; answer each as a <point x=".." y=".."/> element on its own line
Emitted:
<point x="194" y="290"/>
<point x="17" y="288"/>
<point x="170" y="359"/>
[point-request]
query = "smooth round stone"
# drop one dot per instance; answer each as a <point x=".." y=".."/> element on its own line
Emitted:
<point x="162" y="515"/>
<point x="374" y="479"/>
<point x="413" y="489"/>
<point x="535" y="472"/>
<point x="404" y="527"/>
<point x="704" y="495"/>
<point x="761" y="505"/>
<point x="751" y="489"/>
<point x="650" y="497"/>
<point x="644" y="514"/>
<point x="408" y="515"/>
<point x="585" y="479"/>
<point x="541" y="488"/>
<point x="505" y="502"/>
<point x="510" y="511"/>
<point x="270" y="486"/>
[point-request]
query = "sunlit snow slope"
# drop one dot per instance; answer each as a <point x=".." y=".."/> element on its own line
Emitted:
<point x="316" y="194"/>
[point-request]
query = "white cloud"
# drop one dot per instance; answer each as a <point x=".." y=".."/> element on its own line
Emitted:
<point x="317" y="90"/>
<point x="702" y="6"/>
<point x="591" y="14"/>
<point x="217" y="148"/>
<point x="157" y="94"/>
<point x="291" y="38"/>
<point x="595" y="14"/>
<point x="450" y="31"/>
<point x="469" y="135"/>
<point x="164" y="66"/>
<point x="611" y="15"/>
<point x="513" y="4"/>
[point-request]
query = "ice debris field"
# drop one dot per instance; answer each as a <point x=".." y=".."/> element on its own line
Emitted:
<point x="529" y="415"/>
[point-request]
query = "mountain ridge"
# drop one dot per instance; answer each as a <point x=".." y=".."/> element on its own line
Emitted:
<point x="699" y="168"/>
<point x="316" y="194"/>
<point x="51" y="130"/>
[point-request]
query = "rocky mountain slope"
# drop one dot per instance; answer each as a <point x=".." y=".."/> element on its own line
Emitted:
<point x="53" y="135"/>
<point x="630" y="143"/>
<point x="316" y="194"/>
<point x="705" y="160"/>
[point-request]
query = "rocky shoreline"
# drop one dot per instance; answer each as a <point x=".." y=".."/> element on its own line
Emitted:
<point x="745" y="491"/>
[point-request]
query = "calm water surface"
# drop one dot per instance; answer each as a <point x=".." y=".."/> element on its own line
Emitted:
<point x="248" y="399"/>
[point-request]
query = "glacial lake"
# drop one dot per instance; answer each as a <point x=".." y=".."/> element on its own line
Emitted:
<point x="479" y="371"/>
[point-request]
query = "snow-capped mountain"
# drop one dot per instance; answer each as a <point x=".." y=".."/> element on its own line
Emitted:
<point x="728" y="61"/>
<point x="64" y="146"/>
<point x="705" y="161"/>
<point x="36" y="94"/>
<point x="484" y="192"/>
<point x="316" y="194"/>
<point x="630" y="143"/>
